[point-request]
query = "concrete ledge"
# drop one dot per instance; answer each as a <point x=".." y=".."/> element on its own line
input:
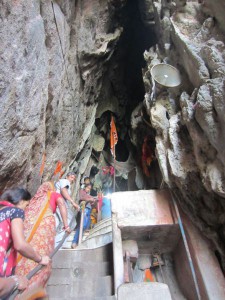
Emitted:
<point x="144" y="291"/>
<point x="117" y="254"/>
<point x="143" y="208"/>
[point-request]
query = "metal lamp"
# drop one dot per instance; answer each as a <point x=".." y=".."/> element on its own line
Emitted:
<point x="166" y="75"/>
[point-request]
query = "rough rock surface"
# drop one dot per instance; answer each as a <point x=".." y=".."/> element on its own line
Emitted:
<point x="65" y="64"/>
<point x="53" y="59"/>
<point x="189" y="121"/>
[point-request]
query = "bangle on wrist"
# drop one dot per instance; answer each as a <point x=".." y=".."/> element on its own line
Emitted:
<point x="15" y="278"/>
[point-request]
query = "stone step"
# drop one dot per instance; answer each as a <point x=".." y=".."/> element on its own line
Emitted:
<point x="96" y="241"/>
<point x="103" y="223"/>
<point x="65" y="258"/>
<point x="77" y="271"/>
<point x="94" y="232"/>
<point x="100" y="230"/>
<point x="97" y="287"/>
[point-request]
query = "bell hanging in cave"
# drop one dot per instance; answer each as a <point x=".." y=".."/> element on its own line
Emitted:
<point x="166" y="75"/>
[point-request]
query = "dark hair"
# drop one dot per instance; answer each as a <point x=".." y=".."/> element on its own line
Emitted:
<point x="70" y="173"/>
<point x="15" y="195"/>
<point x="86" y="177"/>
<point x="88" y="184"/>
<point x="94" y="171"/>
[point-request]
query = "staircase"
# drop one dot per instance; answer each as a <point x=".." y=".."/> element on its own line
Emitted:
<point x="100" y="235"/>
<point x="84" y="273"/>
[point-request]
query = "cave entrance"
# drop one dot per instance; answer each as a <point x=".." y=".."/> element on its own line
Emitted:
<point x="124" y="100"/>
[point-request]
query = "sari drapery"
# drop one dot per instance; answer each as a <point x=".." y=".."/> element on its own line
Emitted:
<point x="39" y="229"/>
<point x="7" y="252"/>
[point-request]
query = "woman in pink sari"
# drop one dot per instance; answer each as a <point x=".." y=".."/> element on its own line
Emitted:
<point x="12" y="205"/>
<point x="40" y="231"/>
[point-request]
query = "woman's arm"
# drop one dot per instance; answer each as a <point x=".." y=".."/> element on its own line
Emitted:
<point x="10" y="283"/>
<point x="22" y="246"/>
<point x="6" y="285"/>
<point x="63" y="211"/>
<point x="86" y="197"/>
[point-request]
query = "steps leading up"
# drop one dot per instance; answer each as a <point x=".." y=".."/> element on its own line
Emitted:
<point x="99" y="236"/>
<point x="82" y="275"/>
<point x="80" y="270"/>
<point x="65" y="258"/>
<point x="100" y="228"/>
<point x="90" y="287"/>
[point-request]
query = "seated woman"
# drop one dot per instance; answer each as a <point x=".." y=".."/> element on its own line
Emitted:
<point x="39" y="228"/>
<point x="12" y="205"/>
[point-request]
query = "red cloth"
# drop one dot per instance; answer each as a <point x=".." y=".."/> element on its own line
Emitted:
<point x="53" y="200"/>
<point x="108" y="170"/>
<point x="100" y="198"/>
<point x="147" y="153"/>
<point x="7" y="213"/>
<point x="147" y="156"/>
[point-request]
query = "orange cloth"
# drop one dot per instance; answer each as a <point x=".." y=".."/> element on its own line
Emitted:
<point x="37" y="223"/>
<point x="148" y="276"/>
<point x="93" y="216"/>
<point x="113" y="137"/>
<point x="58" y="168"/>
<point x="36" y="293"/>
<point x="43" y="238"/>
<point x="147" y="156"/>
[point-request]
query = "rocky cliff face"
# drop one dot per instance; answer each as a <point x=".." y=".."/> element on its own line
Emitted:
<point x="65" y="65"/>
<point x="189" y="120"/>
<point x="53" y="59"/>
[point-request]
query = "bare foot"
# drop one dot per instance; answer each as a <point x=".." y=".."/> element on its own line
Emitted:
<point x="74" y="246"/>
